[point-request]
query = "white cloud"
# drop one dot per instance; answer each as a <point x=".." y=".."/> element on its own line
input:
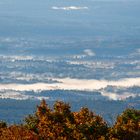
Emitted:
<point x="70" y="8"/>
<point x="7" y="94"/>
<point x="138" y="51"/>
<point x="115" y="96"/>
<point x="16" y="57"/>
<point x="89" y="52"/>
<point x="72" y="84"/>
<point x="14" y="91"/>
<point x="7" y="39"/>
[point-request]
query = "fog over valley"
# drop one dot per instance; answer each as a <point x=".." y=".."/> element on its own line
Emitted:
<point x="85" y="52"/>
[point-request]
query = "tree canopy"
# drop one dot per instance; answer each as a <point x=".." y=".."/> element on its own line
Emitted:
<point x="60" y="123"/>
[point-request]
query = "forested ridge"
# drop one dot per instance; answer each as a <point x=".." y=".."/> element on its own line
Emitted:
<point x="60" y="123"/>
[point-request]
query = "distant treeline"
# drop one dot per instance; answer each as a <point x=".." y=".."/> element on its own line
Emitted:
<point x="60" y="123"/>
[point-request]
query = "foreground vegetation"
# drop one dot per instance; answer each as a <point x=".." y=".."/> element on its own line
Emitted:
<point x="60" y="123"/>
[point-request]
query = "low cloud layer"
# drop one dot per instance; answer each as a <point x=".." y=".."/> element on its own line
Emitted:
<point x="73" y="84"/>
<point x="89" y="52"/>
<point x="76" y="84"/>
<point x="70" y="8"/>
<point x="19" y="96"/>
<point x="115" y="96"/>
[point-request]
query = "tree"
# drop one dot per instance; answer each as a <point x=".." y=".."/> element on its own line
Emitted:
<point x="60" y="123"/>
<point x="17" y="133"/>
<point x="127" y="126"/>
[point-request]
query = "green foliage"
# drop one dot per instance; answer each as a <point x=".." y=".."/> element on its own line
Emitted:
<point x="90" y="125"/>
<point x="127" y="126"/>
<point x="3" y="124"/>
<point x="131" y="114"/>
<point x="31" y="123"/>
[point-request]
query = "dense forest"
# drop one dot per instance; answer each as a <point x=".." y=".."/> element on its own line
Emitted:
<point x="60" y="123"/>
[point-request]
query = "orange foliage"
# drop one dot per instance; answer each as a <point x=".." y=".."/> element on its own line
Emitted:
<point x="127" y="126"/>
<point x="60" y="123"/>
<point x="17" y="133"/>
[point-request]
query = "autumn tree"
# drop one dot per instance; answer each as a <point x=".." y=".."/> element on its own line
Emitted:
<point x="60" y="123"/>
<point x="127" y="126"/>
<point x="17" y="133"/>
